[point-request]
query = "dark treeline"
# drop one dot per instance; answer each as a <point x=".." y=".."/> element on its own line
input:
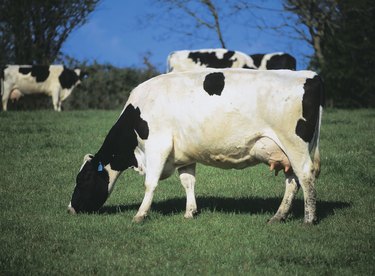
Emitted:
<point x="349" y="52"/>
<point x="342" y="34"/>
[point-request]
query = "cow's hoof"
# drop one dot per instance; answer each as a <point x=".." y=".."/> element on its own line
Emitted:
<point x="190" y="214"/>
<point x="310" y="223"/>
<point x="138" y="219"/>
<point x="275" y="220"/>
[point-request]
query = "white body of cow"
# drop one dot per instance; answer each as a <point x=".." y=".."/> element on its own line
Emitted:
<point x="186" y="60"/>
<point x="229" y="118"/>
<point x="54" y="80"/>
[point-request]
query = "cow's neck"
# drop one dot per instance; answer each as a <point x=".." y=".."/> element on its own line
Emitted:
<point x="121" y="141"/>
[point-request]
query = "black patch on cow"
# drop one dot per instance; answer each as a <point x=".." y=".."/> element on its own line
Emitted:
<point x="2" y="69"/>
<point x="91" y="189"/>
<point x="25" y="70"/>
<point x="39" y="72"/>
<point x="312" y="99"/>
<point x="257" y="58"/>
<point x="68" y="78"/>
<point x="209" y="59"/>
<point x="118" y="147"/>
<point x="284" y="61"/>
<point x="214" y="83"/>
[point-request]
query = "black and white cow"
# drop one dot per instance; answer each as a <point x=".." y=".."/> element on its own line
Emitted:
<point x="226" y="118"/>
<point x="56" y="81"/>
<point x="274" y="61"/>
<point x="186" y="60"/>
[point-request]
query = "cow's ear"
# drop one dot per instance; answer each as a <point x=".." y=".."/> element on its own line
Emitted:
<point x="88" y="157"/>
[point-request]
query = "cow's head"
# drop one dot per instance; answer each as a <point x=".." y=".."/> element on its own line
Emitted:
<point x="92" y="187"/>
<point x="81" y="74"/>
<point x="70" y="79"/>
<point x="98" y="174"/>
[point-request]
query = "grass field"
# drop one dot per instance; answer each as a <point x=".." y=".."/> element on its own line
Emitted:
<point x="41" y="153"/>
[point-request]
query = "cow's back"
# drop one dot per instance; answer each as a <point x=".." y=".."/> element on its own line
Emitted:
<point x="229" y="90"/>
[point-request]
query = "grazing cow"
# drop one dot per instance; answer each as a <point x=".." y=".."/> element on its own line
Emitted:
<point x="274" y="61"/>
<point x="186" y="60"/>
<point x="226" y="118"/>
<point x="56" y="81"/>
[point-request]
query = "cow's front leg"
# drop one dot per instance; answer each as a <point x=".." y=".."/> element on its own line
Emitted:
<point x="5" y="95"/>
<point x="187" y="178"/>
<point x="56" y="100"/>
<point x="5" y="103"/>
<point x="157" y="150"/>
<point x="150" y="186"/>
<point x="291" y="189"/>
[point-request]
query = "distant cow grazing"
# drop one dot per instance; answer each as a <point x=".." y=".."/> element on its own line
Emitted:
<point x="56" y="81"/>
<point x="186" y="60"/>
<point x="274" y="61"/>
<point x="226" y="118"/>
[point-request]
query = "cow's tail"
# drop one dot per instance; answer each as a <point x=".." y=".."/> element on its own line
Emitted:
<point x="315" y="154"/>
<point x="314" y="144"/>
<point x="2" y="87"/>
<point x="2" y="80"/>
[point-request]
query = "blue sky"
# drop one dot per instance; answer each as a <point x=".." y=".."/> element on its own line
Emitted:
<point x="120" y="32"/>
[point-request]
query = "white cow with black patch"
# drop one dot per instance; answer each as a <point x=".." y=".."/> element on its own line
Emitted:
<point x="228" y="118"/>
<point x="56" y="81"/>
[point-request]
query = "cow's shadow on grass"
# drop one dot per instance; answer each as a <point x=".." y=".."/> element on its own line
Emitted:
<point x="248" y="205"/>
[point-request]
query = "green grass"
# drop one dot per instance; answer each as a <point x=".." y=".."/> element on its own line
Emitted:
<point x="42" y="151"/>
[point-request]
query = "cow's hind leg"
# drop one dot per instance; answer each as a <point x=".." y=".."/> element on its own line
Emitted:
<point x="187" y="177"/>
<point x="309" y="194"/>
<point x="291" y="189"/>
<point x="304" y="170"/>
<point x="157" y="150"/>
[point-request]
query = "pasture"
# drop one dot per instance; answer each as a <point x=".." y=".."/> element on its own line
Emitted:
<point x="41" y="153"/>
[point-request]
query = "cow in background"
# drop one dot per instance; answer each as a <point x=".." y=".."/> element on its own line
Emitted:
<point x="186" y="60"/>
<point x="274" y="61"/>
<point x="56" y="81"/>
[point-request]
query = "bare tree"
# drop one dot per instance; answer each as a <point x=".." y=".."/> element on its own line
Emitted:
<point x="307" y="20"/>
<point x="34" y="30"/>
<point x="204" y="13"/>
<point x="318" y="16"/>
